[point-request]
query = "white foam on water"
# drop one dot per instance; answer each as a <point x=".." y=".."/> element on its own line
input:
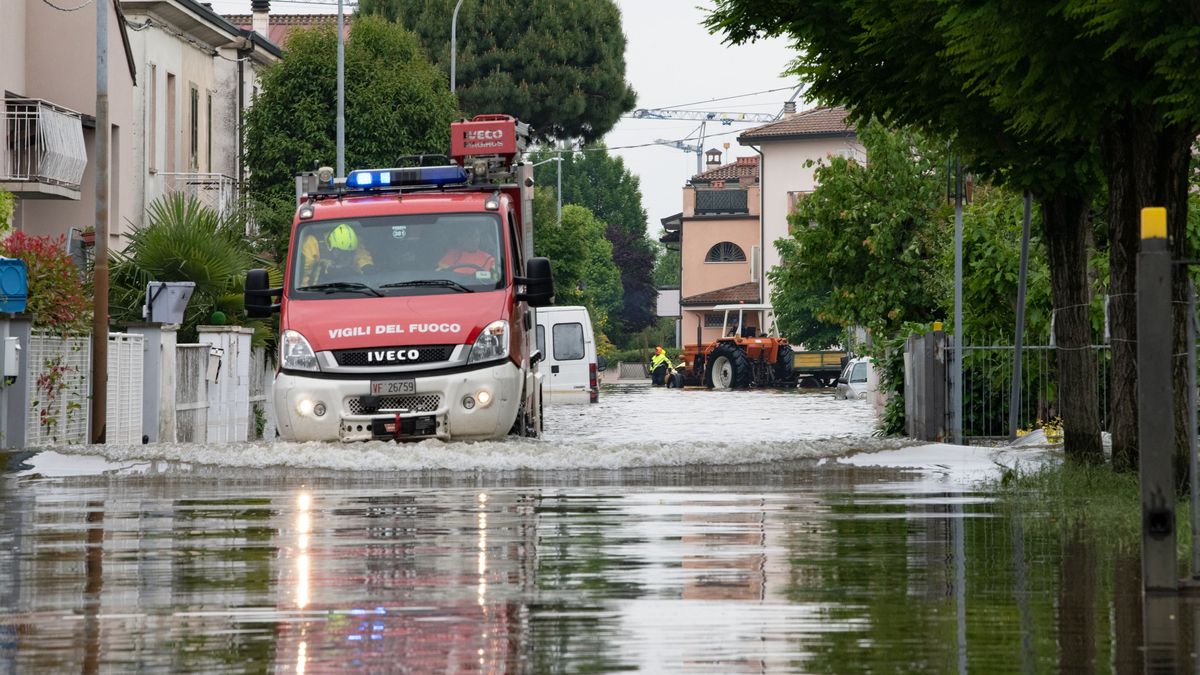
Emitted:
<point x="488" y="456"/>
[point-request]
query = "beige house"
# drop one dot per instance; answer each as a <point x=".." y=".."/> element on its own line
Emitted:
<point x="48" y="115"/>
<point x="718" y="237"/>
<point x="179" y="79"/>
<point x="200" y="73"/>
<point x="788" y="147"/>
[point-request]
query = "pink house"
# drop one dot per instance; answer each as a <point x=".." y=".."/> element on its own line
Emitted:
<point x="48" y="116"/>
<point x="734" y="213"/>
<point x="718" y="236"/>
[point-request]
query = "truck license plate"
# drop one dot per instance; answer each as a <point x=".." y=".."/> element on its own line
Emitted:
<point x="392" y="387"/>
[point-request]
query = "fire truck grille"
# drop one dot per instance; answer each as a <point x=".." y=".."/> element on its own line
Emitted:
<point x="393" y="356"/>
<point x="415" y="403"/>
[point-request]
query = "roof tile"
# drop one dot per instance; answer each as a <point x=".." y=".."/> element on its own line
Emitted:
<point x="816" y="122"/>
<point x="743" y="167"/>
<point x="747" y="292"/>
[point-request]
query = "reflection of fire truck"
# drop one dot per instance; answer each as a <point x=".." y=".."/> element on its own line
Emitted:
<point x="407" y="305"/>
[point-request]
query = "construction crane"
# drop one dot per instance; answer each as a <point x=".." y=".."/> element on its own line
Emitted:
<point x="704" y="117"/>
<point x="725" y="118"/>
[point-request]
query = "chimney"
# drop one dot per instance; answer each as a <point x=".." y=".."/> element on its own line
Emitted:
<point x="261" y="16"/>
<point x="789" y="108"/>
<point x="712" y="159"/>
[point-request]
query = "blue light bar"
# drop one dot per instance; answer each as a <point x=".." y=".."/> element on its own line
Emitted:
<point x="433" y="176"/>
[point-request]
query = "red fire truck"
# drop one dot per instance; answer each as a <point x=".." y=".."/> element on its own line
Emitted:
<point x="407" y="308"/>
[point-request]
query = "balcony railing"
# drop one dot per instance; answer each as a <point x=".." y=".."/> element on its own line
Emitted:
<point x="214" y="190"/>
<point x="712" y="202"/>
<point x="42" y="143"/>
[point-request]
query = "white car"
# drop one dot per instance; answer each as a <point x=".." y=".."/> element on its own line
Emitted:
<point x="857" y="380"/>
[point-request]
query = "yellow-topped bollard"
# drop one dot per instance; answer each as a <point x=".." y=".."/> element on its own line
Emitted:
<point x="1154" y="222"/>
<point x="937" y="325"/>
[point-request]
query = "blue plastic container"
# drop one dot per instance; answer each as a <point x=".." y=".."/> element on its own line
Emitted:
<point x="14" y="286"/>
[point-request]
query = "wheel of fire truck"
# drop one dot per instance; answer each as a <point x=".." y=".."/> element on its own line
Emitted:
<point x="526" y="425"/>
<point x="728" y="368"/>
<point x="785" y="366"/>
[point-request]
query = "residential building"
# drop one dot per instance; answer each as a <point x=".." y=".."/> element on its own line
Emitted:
<point x="48" y="114"/>
<point x="200" y="73"/>
<point x="718" y="237"/>
<point x="791" y="148"/>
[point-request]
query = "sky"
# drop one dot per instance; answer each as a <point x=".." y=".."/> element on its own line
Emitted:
<point x="671" y="61"/>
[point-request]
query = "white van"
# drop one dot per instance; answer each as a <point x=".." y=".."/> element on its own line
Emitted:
<point x="568" y="347"/>
<point x="858" y="380"/>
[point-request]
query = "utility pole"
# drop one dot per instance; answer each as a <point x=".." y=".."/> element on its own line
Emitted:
<point x="454" y="43"/>
<point x="1014" y="399"/>
<point x="1156" y="404"/>
<point x="956" y="366"/>
<point x="100" y="270"/>
<point x="341" y="94"/>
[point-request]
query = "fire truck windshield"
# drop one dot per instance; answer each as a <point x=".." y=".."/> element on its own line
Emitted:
<point x="397" y="255"/>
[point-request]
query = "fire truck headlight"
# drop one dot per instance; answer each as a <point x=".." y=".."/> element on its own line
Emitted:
<point x="484" y="397"/>
<point x="491" y="344"/>
<point x="295" y="353"/>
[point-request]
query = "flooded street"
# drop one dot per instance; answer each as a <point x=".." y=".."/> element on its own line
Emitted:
<point x="659" y="531"/>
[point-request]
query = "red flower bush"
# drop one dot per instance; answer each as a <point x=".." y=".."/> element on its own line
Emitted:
<point x="58" y="298"/>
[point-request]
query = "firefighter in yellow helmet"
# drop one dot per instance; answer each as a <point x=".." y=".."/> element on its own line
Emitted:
<point x="660" y="367"/>
<point x="336" y="256"/>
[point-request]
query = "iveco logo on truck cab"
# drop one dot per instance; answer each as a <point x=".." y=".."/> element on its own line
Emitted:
<point x="392" y="355"/>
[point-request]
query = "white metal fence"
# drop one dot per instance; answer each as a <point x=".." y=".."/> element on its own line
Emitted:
<point x="58" y="389"/>
<point x="123" y="406"/>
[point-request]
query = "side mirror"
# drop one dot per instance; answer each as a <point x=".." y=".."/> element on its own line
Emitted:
<point x="258" y="295"/>
<point x="538" y="282"/>
<point x="601" y="364"/>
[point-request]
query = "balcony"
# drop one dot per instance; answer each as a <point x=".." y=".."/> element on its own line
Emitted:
<point x="722" y="201"/>
<point x="42" y="154"/>
<point x="214" y="190"/>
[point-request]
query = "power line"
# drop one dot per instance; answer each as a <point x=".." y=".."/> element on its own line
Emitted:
<point x="68" y="9"/>
<point x="726" y="98"/>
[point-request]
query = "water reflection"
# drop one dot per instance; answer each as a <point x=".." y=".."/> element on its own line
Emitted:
<point x="675" y="570"/>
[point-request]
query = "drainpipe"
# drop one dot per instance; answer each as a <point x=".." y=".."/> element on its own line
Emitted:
<point x="241" y="52"/>
<point x="762" y="219"/>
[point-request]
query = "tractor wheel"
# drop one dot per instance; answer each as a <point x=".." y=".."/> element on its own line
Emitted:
<point x="728" y="368"/>
<point x="785" y="366"/>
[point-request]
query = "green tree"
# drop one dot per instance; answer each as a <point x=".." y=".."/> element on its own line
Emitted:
<point x="397" y="103"/>
<point x="183" y="240"/>
<point x="580" y="257"/>
<point x="666" y="267"/>
<point x="892" y="60"/>
<point x="558" y="65"/>
<point x="862" y="243"/>
<point x="599" y="182"/>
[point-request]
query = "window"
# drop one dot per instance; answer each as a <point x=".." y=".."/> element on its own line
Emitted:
<point x="726" y="251"/>
<point x="194" y="129"/>
<point x="568" y="341"/>
<point x="859" y="374"/>
<point x="208" y="136"/>
<point x="398" y="255"/>
<point x="172" y="124"/>
<point x="152" y="120"/>
<point x="714" y="320"/>
<point x="541" y="339"/>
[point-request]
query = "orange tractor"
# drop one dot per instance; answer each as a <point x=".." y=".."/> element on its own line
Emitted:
<point x="744" y="356"/>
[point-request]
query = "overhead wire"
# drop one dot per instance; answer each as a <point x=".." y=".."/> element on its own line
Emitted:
<point x="68" y="9"/>
<point x="725" y="98"/>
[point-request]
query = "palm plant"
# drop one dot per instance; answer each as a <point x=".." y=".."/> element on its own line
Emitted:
<point x="183" y="240"/>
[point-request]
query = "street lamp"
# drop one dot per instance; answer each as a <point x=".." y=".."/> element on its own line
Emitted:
<point x="454" y="42"/>
<point x="556" y="158"/>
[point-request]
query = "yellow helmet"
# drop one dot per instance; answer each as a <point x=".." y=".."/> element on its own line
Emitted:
<point x="343" y="238"/>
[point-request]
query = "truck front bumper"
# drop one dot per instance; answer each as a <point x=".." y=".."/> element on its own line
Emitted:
<point x="444" y="406"/>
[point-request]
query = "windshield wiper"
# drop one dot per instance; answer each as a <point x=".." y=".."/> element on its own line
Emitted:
<point x="335" y="286"/>
<point x="440" y="283"/>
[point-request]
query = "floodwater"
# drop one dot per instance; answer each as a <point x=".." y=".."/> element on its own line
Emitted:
<point x="659" y="531"/>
